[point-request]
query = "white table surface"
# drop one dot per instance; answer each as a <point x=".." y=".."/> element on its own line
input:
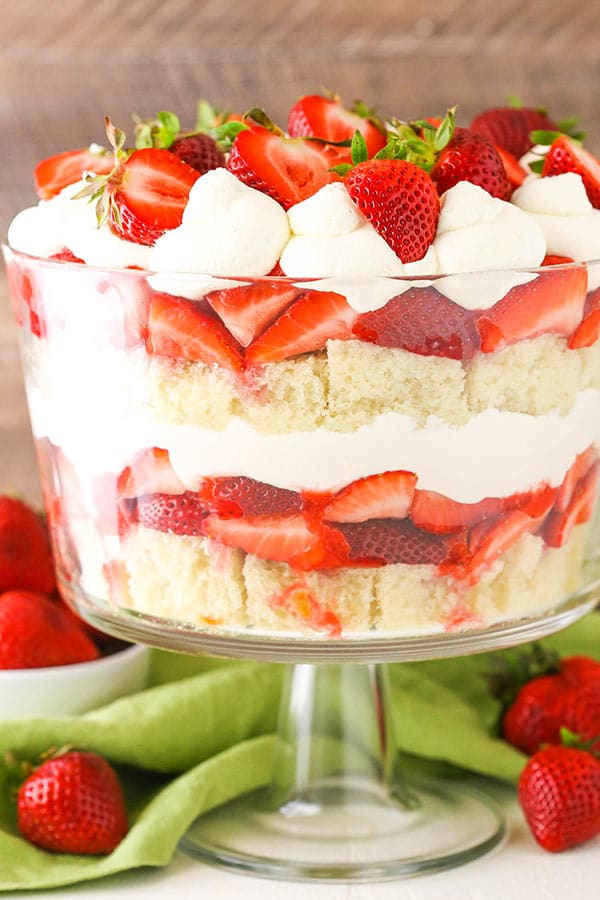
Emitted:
<point x="518" y="870"/>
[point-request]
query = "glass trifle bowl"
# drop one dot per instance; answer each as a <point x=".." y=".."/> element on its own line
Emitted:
<point x="326" y="470"/>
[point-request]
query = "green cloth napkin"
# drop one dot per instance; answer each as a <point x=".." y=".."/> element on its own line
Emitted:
<point x="203" y="734"/>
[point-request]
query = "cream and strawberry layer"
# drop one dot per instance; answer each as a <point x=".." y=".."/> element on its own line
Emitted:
<point x="311" y="499"/>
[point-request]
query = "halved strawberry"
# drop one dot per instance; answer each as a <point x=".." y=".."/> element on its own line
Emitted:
<point x="559" y="525"/>
<point x="440" y="515"/>
<point x="287" y="169"/>
<point x="588" y="332"/>
<point x="552" y="303"/>
<point x="326" y="118"/>
<point x="181" y="329"/>
<point x="489" y="541"/>
<point x="249" y="309"/>
<point x="299" y="601"/>
<point x="583" y="463"/>
<point x="182" y="513"/>
<point x="509" y="127"/>
<point x="236" y="495"/>
<point x="53" y="174"/>
<point x="423" y="321"/>
<point x="288" y="539"/>
<point x="515" y="172"/>
<point x="150" y="472"/>
<point x="566" y="155"/>
<point x="315" y="318"/>
<point x="388" y="541"/>
<point x="149" y="192"/>
<point x="387" y="495"/>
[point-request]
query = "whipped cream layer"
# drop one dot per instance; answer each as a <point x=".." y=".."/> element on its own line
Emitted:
<point x="494" y="454"/>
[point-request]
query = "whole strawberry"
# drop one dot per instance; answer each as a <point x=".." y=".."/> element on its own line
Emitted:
<point x="510" y="127"/>
<point x="199" y="151"/>
<point x="400" y="201"/>
<point x="37" y="632"/>
<point x="559" y="792"/>
<point x="73" y="804"/>
<point x="471" y="157"/>
<point x="25" y="557"/>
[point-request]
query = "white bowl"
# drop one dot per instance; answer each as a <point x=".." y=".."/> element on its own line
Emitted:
<point x="69" y="690"/>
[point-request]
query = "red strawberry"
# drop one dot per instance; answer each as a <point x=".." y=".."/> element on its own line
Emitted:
<point x="582" y="465"/>
<point x="535" y="716"/>
<point x="288" y="539"/>
<point x="566" y="155"/>
<point x="579" y="670"/>
<point x="374" y="497"/>
<point x="149" y="192"/>
<point x="247" y="310"/>
<point x="588" y="332"/>
<point x="181" y="329"/>
<point x="37" y="632"/>
<point x="552" y="303"/>
<point x="559" y="792"/>
<point x="66" y="255"/>
<point x="510" y="127"/>
<point x="438" y="514"/>
<point x="422" y="321"/>
<point x="386" y="541"/>
<point x="581" y="711"/>
<point x="515" y="172"/>
<point x="300" y="602"/>
<point x="172" y="513"/>
<point x="25" y="557"/>
<point x="315" y="318"/>
<point x="57" y="172"/>
<point x="400" y="201"/>
<point x="150" y="472"/>
<point x="488" y="541"/>
<point x="326" y="118"/>
<point x="240" y="496"/>
<point x="199" y="151"/>
<point x="470" y="157"/>
<point x="559" y="525"/>
<point x="287" y="169"/>
<point x="73" y="804"/>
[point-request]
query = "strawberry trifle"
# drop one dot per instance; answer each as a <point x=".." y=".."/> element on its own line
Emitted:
<point x="338" y="381"/>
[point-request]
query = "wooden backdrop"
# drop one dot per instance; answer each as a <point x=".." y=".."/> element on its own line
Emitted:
<point x="64" y="64"/>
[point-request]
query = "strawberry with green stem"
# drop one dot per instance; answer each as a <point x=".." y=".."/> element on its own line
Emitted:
<point x="325" y="118"/>
<point x="197" y="148"/>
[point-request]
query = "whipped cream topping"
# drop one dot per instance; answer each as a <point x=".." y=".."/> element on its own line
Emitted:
<point x="63" y="221"/>
<point x="228" y="228"/>
<point x="561" y="207"/>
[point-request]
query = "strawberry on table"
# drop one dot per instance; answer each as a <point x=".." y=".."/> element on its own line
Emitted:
<point x="559" y="792"/>
<point x="25" y="557"/>
<point x="53" y="174"/>
<point x="73" y="803"/>
<point x="510" y="127"/>
<point x="325" y="117"/>
<point x="567" y="155"/>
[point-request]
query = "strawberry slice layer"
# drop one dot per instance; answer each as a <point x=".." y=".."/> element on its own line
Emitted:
<point x="181" y="329"/>
<point x="386" y="541"/>
<point x="248" y="310"/>
<point x="150" y="472"/>
<point x="240" y="496"/>
<point x="388" y="495"/>
<point x="553" y="303"/>
<point x="441" y="515"/>
<point x="559" y="525"/>
<point x="315" y="318"/>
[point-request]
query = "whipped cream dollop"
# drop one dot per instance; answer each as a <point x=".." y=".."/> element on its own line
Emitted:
<point x="561" y="207"/>
<point x="228" y="228"/>
<point x="64" y="221"/>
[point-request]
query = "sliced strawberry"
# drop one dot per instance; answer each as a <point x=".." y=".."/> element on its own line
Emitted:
<point x="287" y="169"/>
<point x="237" y="496"/>
<point x="249" y="309"/>
<point x="515" y="172"/>
<point x="552" y="303"/>
<point x="588" y="332"/>
<point x="181" y="329"/>
<point x="487" y="542"/>
<point x="387" y="541"/>
<point x="374" y="497"/>
<point x="583" y="463"/>
<point x="553" y="259"/>
<point x="422" y="321"/>
<point x="65" y="255"/>
<point x="326" y="118"/>
<point x="315" y="318"/>
<point x="150" y="472"/>
<point x="53" y="174"/>
<point x="300" y="602"/>
<point x="559" y="525"/>
<point x="440" y="515"/>
<point x="566" y="155"/>
<point x="149" y="192"/>
<point x="172" y="513"/>
<point x="288" y="539"/>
